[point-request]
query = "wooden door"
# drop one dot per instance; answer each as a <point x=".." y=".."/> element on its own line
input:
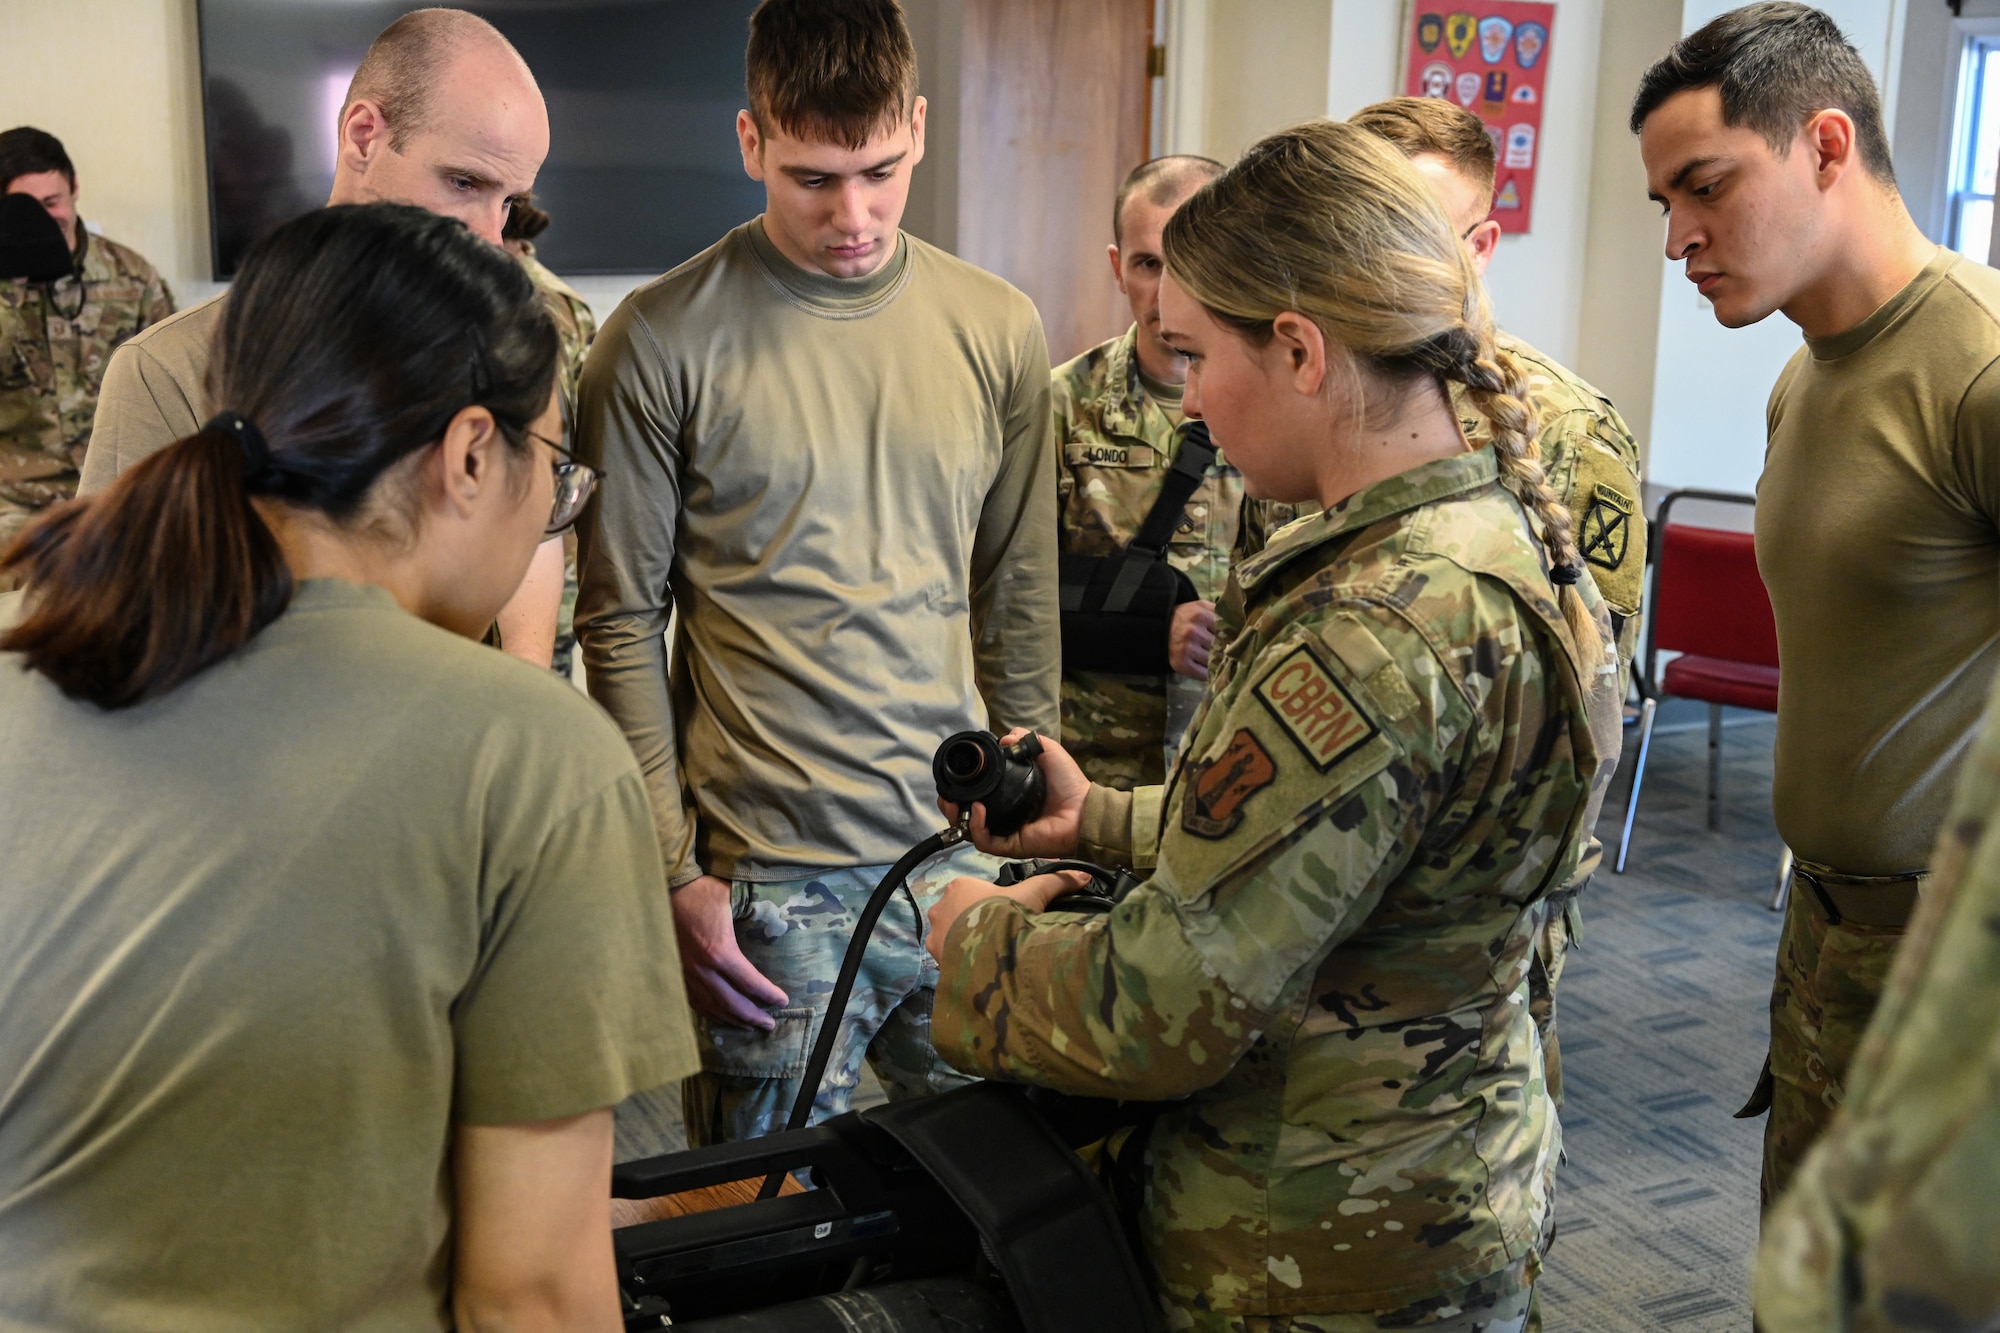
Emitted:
<point x="1054" y="103"/>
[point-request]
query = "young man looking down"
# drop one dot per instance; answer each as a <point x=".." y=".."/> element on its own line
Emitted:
<point x="833" y="457"/>
<point x="1876" y="535"/>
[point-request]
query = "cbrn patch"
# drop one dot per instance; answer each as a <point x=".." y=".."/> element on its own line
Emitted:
<point x="1218" y="787"/>
<point x="1315" y="709"/>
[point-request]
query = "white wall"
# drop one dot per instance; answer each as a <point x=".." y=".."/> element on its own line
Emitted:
<point x="1267" y="68"/>
<point x="1536" y="280"/>
<point x="1711" y="383"/>
<point x="1240" y="69"/>
<point x="1365" y="54"/>
<point x="117" y="81"/>
<point x="1619" y="316"/>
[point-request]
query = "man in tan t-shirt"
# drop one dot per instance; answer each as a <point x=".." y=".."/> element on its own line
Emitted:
<point x="442" y="113"/>
<point x="828" y="447"/>
<point x="1876" y="520"/>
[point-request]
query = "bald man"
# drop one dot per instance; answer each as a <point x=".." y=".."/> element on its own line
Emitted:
<point x="444" y="114"/>
<point x="1117" y="408"/>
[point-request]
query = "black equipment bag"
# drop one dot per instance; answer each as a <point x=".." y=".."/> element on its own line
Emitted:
<point x="1117" y="609"/>
<point x="913" y="1195"/>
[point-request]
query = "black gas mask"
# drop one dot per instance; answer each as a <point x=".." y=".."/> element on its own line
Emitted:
<point x="975" y="766"/>
<point x="31" y="242"/>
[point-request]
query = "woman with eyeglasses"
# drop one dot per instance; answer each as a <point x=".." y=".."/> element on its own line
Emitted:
<point x="327" y="936"/>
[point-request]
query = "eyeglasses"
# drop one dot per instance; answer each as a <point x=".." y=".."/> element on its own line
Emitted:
<point x="575" y="480"/>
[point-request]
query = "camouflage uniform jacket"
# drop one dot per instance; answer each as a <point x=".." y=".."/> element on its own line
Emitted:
<point x="1329" y="960"/>
<point x="576" y="326"/>
<point x="1592" y="463"/>
<point x="54" y="343"/>
<point x="1117" y="445"/>
<point x="1889" y="1223"/>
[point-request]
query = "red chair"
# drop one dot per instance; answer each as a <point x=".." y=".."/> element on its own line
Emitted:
<point x="1709" y="605"/>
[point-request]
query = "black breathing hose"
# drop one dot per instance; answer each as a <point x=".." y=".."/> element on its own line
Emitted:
<point x="843" y="987"/>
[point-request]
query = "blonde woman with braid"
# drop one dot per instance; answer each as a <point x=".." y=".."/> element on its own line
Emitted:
<point x="1323" y="973"/>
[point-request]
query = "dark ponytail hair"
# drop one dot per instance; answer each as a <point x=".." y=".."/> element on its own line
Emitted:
<point x="351" y="338"/>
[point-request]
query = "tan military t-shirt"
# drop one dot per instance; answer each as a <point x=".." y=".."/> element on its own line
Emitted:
<point x="264" y="941"/>
<point x="155" y="392"/>
<point x="156" y="385"/>
<point x="1876" y="535"/>
<point x="846" y="487"/>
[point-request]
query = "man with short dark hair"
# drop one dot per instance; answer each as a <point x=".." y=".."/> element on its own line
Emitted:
<point x="830" y="452"/>
<point x="443" y="113"/>
<point x="1118" y="407"/>
<point x="56" y="336"/>
<point x="1876" y="518"/>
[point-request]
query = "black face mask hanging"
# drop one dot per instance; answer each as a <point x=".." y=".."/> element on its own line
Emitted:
<point x="31" y="242"/>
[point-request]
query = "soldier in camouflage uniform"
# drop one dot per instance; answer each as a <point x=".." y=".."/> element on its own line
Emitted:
<point x="1117" y="409"/>
<point x="55" y="338"/>
<point x="576" y="326"/>
<point x="1890" y="1220"/>
<point x="1400" y="754"/>
<point x="1587" y="453"/>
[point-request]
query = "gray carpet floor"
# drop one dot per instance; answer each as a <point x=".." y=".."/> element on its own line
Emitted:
<point x="1663" y="1023"/>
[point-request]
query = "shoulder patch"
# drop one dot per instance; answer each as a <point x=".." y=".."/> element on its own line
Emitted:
<point x="1315" y="709"/>
<point x="1611" y="534"/>
<point x="1218" y="787"/>
<point x="1606" y="534"/>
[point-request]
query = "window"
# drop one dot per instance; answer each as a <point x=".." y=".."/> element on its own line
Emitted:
<point x="1975" y="149"/>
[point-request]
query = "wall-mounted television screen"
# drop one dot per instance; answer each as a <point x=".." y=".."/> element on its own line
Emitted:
<point x="642" y="171"/>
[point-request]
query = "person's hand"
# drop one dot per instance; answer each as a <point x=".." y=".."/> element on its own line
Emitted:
<point x="1054" y="832"/>
<point x="722" y="984"/>
<point x="1190" y="638"/>
<point x="1034" y="893"/>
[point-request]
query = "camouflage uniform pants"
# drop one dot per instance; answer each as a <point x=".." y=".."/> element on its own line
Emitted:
<point x="795" y="932"/>
<point x="1828" y="982"/>
<point x="1496" y="1304"/>
<point x="1114" y="727"/>
<point x="1554" y="938"/>
<point x="563" y="660"/>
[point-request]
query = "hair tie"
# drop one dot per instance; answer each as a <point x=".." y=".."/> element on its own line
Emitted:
<point x="256" y="453"/>
<point x="1566" y="575"/>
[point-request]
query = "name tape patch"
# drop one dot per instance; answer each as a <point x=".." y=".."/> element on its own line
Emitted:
<point x="1314" y="709"/>
<point x="1098" y="453"/>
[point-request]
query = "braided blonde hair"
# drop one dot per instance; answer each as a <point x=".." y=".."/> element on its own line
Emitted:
<point x="1328" y="220"/>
